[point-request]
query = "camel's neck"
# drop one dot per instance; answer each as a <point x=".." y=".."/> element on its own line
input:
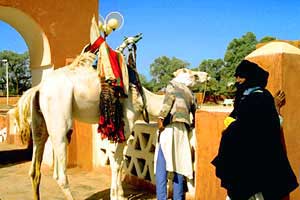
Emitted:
<point x="154" y="102"/>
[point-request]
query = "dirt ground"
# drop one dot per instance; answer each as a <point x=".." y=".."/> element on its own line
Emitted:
<point x="85" y="185"/>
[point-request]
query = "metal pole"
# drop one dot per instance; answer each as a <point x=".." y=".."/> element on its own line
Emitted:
<point x="6" y="68"/>
<point x="7" y="90"/>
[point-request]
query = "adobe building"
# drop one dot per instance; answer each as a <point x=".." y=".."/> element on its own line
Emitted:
<point x="52" y="30"/>
<point x="55" y="32"/>
<point x="282" y="60"/>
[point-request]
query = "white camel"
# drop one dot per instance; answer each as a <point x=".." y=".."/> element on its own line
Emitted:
<point x="72" y="92"/>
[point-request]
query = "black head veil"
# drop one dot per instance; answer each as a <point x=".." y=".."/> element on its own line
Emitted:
<point x="254" y="74"/>
<point x="255" y="77"/>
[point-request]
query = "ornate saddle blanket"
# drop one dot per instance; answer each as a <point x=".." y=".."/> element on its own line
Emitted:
<point x="111" y="124"/>
<point x="114" y="81"/>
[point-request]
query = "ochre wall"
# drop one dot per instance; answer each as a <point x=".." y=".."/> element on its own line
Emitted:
<point x="81" y="147"/>
<point x="65" y="23"/>
<point x="284" y="72"/>
<point x="11" y="100"/>
<point x="209" y="126"/>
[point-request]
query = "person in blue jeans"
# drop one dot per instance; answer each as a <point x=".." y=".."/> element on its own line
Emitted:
<point x="173" y="150"/>
<point x="161" y="180"/>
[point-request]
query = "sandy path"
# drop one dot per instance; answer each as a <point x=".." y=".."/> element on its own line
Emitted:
<point x="85" y="185"/>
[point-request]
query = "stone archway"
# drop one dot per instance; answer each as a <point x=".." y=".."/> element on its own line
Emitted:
<point x="34" y="36"/>
<point x="52" y="30"/>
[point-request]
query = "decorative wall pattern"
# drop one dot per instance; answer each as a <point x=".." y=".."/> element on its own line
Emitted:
<point x="139" y="152"/>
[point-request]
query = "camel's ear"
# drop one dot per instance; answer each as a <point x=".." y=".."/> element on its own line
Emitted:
<point x="94" y="30"/>
<point x="174" y="74"/>
<point x="178" y="71"/>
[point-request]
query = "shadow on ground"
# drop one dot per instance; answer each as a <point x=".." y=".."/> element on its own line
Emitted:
<point x="87" y="185"/>
<point x="130" y="193"/>
<point x="14" y="156"/>
<point x="100" y="195"/>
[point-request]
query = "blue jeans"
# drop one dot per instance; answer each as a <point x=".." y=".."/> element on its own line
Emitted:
<point x="161" y="180"/>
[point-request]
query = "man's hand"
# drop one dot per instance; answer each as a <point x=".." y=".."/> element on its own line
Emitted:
<point x="160" y="125"/>
<point x="279" y="100"/>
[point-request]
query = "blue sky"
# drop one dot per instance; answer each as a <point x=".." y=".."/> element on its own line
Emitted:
<point x="191" y="30"/>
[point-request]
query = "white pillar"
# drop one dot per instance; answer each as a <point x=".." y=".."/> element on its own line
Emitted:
<point x="38" y="73"/>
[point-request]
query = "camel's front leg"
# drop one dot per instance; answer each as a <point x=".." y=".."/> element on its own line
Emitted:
<point x="116" y="164"/>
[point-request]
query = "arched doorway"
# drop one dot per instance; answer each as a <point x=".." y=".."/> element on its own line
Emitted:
<point x="35" y="38"/>
<point x="15" y="73"/>
<point x="53" y="31"/>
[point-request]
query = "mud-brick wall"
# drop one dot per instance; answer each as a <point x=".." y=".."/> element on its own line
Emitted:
<point x="81" y="146"/>
<point x="284" y="70"/>
<point x="2" y="121"/>
<point x="209" y="126"/>
<point x="11" y="100"/>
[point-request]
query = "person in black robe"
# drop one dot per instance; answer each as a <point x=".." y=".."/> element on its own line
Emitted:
<point x="251" y="158"/>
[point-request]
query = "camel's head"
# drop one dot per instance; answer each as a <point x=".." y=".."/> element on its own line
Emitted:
<point x="129" y="41"/>
<point x="189" y="77"/>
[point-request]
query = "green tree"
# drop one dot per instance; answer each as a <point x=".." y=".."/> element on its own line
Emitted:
<point x="212" y="88"/>
<point x="267" y="39"/>
<point x="19" y="76"/>
<point x="162" y="71"/>
<point x="221" y="71"/>
<point x="145" y="83"/>
<point x="236" y="51"/>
